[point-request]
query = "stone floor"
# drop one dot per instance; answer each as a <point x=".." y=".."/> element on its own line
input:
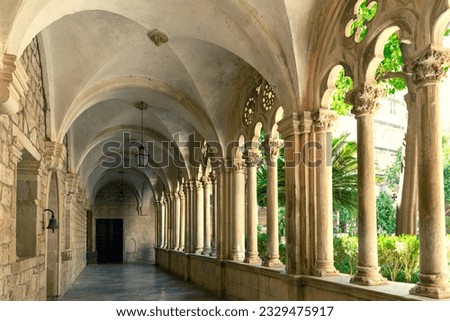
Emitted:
<point x="132" y="282"/>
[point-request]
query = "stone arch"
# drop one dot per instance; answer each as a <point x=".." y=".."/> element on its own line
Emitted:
<point x="440" y="26"/>
<point x="378" y="53"/>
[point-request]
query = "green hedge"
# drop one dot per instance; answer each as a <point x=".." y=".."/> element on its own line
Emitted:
<point x="398" y="256"/>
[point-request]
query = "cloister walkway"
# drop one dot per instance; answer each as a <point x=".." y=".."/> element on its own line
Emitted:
<point x="132" y="282"/>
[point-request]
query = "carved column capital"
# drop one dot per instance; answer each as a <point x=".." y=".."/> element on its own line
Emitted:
<point x="427" y="67"/>
<point x="238" y="164"/>
<point x="205" y="181"/>
<point x="365" y="99"/>
<point x="13" y="84"/>
<point x="274" y="145"/>
<point x="55" y="154"/>
<point x="252" y="157"/>
<point x="198" y="184"/>
<point x="181" y="194"/>
<point x="323" y="119"/>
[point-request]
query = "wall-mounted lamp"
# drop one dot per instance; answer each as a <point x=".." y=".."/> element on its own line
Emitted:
<point x="52" y="223"/>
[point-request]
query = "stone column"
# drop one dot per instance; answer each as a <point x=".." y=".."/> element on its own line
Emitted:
<point x="158" y="223"/>
<point x="273" y="149"/>
<point x="238" y="210"/>
<point x="296" y="132"/>
<point x="253" y="157"/>
<point x="187" y="229"/>
<point x="163" y="223"/>
<point x="322" y="123"/>
<point x="176" y="226"/>
<point x="427" y="70"/>
<point x="213" y="179"/>
<point x="406" y="220"/>
<point x="182" y="200"/>
<point x="207" y="213"/>
<point x="192" y="216"/>
<point x="169" y="221"/>
<point x="365" y="104"/>
<point x="199" y="218"/>
<point x="222" y="226"/>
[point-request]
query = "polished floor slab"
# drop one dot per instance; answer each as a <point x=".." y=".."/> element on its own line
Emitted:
<point x="132" y="282"/>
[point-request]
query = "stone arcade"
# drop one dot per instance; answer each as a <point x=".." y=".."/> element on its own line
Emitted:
<point x="214" y="74"/>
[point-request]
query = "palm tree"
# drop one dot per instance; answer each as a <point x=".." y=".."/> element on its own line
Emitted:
<point x="344" y="169"/>
<point x="345" y="173"/>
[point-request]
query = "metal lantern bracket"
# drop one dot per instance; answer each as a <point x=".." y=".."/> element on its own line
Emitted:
<point x="52" y="223"/>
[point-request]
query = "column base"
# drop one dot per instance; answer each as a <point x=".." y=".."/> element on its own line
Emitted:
<point x="272" y="262"/>
<point x="434" y="286"/>
<point x="368" y="276"/>
<point x="198" y="251"/>
<point x="325" y="268"/>
<point x="206" y="251"/>
<point x="252" y="259"/>
<point x="237" y="255"/>
<point x="213" y="252"/>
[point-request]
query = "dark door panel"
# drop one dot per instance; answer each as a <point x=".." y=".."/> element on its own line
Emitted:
<point x="109" y="240"/>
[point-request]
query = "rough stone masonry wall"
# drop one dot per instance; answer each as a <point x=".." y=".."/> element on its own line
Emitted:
<point x="26" y="278"/>
<point x="23" y="279"/>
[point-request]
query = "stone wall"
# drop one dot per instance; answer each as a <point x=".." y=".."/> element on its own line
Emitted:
<point x="138" y="225"/>
<point x="23" y="162"/>
<point x="239" y="281"/>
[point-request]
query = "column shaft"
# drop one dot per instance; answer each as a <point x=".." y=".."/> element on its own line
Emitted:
<point x="251" y="255"/>
<point x="365" y="103"/>
<point x="176" y="227"/>
<point x="199" y="219"/>
<point x="324" y="265"/>
<point x="182" y="220"/>
<point x="238" y="211"/>
<point x="207" y="215"/>
<point x="272" y="257"/>
<point x="427" y="71"/>
<point x="214" y="214"/>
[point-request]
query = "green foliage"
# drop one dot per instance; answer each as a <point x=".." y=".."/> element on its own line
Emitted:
<point x="347" y="220"/>
<point x="282" y="221"/>
<point x="446" y="150"/>
<point x="343" y="85"/>
<point x="345" y="173"/>
<point x="262" y="244"/>
<point x="393" y="172"/>
<point x="364" y="15"/>
<point x="346" y="254"/>
<point x="282" y="252"/>
<point x="386" y="213"/>
<point x="447" y="185"/>
<point x="398" y="256"/>
<point x="262" y="247"/>
<point x="392" y="62"/>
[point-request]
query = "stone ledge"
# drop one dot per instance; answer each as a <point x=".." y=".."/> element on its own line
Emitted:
<point x="395" y="291"/>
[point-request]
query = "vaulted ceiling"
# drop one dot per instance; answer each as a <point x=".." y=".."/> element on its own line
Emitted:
<point x="99" y="60"/>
